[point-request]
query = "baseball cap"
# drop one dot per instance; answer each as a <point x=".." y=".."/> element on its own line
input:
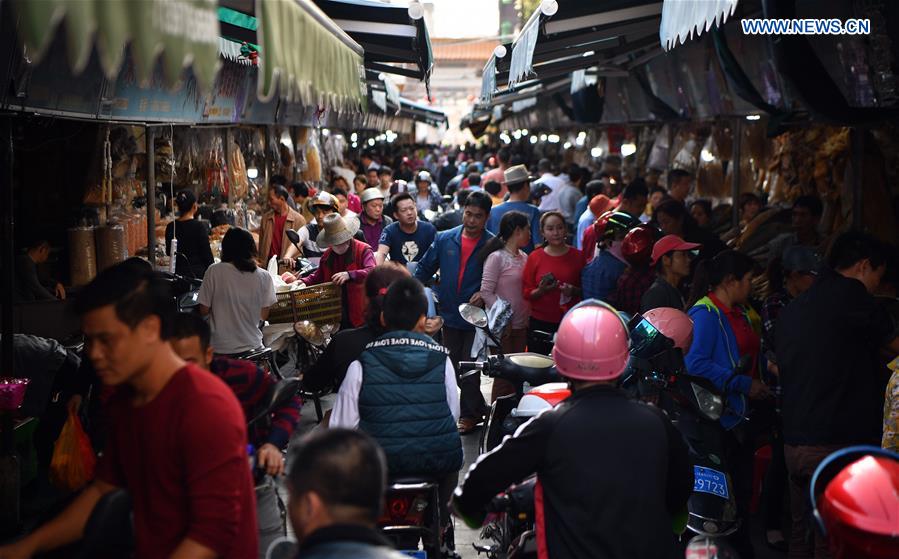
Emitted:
<point x="670" y="243"/>
<point x="801" y="259"/>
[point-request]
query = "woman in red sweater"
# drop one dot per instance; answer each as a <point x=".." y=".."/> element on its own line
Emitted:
<point x="552" y="280"/>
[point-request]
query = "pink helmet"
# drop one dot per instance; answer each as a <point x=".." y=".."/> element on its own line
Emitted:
<point x="592" y="343"/>
<point x="674" y="324"/>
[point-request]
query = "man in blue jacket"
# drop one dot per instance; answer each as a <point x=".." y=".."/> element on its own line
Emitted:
<point x="454" y="253"/>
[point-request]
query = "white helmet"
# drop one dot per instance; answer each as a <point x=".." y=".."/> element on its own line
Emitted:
<point x="370" y="194"/>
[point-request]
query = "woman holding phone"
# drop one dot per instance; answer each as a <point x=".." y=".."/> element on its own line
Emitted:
<point x="552" y="280"/>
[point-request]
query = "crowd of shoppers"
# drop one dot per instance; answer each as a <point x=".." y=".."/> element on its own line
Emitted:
<point x="815" y="340"/>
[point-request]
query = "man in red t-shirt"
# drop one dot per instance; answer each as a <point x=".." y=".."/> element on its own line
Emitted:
<point x="177" y="440"/>
<point x="455" y="254"/>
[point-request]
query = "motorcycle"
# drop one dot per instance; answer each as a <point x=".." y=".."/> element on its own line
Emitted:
<point x="545" y="386"/>
<point x="657" y="373"/>
<point x="185" y="291"/>
<point x="510" y="526"/>
<point x="412" y="512"/>
<point x="109" y="531"/>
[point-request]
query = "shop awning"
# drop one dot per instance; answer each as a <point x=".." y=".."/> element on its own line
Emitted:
<point x="561" y="37"/>
<point x="392" y="39"/>
<point x="183" y="33"/>
<point x="682" y="18"/>
<point x="422" y="113"/>
<point x="306" y="58"/>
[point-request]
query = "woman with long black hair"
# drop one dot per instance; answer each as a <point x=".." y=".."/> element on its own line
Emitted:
<point x="236" y="294"/>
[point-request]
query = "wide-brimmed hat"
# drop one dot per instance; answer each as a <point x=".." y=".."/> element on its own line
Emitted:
<point x="517" y="174"/>
<point x="336" y="230"/>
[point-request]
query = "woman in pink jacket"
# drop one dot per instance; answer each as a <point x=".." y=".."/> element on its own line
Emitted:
<point x="503" y="270"/>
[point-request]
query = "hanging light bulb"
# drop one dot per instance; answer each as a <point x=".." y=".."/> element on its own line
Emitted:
<point x="627" y="149"/>
<point x="549" y="7"/>
<point x="596" y="152"/>
<point x="252" y="173"/>
<point x="416" y="10"/>
<point x="500" y="51"/>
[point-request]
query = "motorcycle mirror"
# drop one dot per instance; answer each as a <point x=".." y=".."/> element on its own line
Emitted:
<point x="278" y="397"/>
<point x="294" y="237"/>
<point x="285" y="390"/>
<point x="476" y="316"/>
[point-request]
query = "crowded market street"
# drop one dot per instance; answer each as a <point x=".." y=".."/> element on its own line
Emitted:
<point x="449" y="279"/>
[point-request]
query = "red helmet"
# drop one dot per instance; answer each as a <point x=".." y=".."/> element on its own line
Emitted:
<point x="637" y="246"/>
<point x="592" y="343"/>
<point x="612" y="222"/>
<point x="674" y="324"/>
<point x="855" y="495"/>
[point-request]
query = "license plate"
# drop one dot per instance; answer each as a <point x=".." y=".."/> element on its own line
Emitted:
<point x="418" y="554"/>
<point x="707" y="480"/>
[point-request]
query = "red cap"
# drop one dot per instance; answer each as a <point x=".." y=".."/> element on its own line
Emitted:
<point x="670" y="243"/>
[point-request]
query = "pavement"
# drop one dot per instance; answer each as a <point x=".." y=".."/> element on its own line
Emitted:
<point x="465" y="536"/>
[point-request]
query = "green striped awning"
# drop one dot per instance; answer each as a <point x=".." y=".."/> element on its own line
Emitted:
<point x="306" y="58"/>
<point x="182" y="32"/>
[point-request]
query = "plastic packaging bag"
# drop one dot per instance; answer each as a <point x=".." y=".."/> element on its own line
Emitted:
<point x="72" y="466"/>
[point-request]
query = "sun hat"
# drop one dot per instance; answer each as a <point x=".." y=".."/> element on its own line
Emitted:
<point x="336" y="230"/>
<point x="517" y="174"/>
<point x="670" y="243"/>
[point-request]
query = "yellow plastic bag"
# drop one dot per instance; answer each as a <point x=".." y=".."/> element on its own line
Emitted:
<point x="72" y="466"/>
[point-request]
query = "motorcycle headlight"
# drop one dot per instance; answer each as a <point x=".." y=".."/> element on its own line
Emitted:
<point x="710" y="403"/>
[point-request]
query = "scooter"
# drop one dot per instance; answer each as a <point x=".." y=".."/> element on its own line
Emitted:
<point x="510" y="527"/>
<point x="412" y="512"/>
<point x="657" y="373"/>
<point x="508" y="413"/>
<point x="109" y="531"/>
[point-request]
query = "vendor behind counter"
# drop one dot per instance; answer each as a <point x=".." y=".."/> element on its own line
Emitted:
<point x="194" y="253"/>
<point x="29" y="286"/>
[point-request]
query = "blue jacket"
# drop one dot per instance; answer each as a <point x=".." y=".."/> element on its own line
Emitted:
<point x="714" y="355"/>
<point x="403" y="405"/>
<point x="599" y="279"/>
<point x="445" y="254"/>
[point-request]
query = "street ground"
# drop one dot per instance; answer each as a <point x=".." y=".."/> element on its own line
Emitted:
<point x="465" y="537"/>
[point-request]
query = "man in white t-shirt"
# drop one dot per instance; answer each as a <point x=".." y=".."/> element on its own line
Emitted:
<point x="236" y="294"/>
<point x="550" y="202"/>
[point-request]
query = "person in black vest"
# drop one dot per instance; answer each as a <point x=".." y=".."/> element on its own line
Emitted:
<point x="402" y="366"/>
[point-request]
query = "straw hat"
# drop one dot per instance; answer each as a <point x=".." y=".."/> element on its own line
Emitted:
<point x="517" y="174"/>
<point x="336" y="230"/>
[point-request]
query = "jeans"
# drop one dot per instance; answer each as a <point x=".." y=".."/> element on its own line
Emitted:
<point x="458" y="342"/>
<point x="268" y="515"/>
<point x="801" y="464"/>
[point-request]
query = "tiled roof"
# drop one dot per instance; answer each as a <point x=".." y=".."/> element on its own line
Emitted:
<point x="463" y="49"/>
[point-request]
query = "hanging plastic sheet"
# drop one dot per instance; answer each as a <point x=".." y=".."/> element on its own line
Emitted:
<point x="681" y="19"/>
